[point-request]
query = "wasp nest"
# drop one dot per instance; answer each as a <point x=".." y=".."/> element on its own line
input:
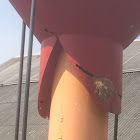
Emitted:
<point x="103" y="89"/>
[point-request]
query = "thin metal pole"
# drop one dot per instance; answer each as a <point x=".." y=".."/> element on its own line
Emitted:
<point x="20" y="80"/>
<point x="27" y="85"/>
<point x="116" y="127"/>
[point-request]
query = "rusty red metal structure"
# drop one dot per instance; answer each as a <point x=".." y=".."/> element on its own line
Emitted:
<point x="115" y="20"/>
<point x="93" y="35"/>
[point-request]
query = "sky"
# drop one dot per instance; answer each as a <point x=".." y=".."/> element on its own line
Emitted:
<point x="10" y="33"/>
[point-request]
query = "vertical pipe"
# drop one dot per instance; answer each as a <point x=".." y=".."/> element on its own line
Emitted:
<point x="116" y="127"/>
<point x="27" y="85"/>
<point x="74" y="115"/>
<point x="20" y="81"/>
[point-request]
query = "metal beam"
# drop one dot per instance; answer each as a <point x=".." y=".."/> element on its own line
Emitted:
<point x="20" y="80"/>
<point x="27" y="85"/>
<point x="116" y="127"/>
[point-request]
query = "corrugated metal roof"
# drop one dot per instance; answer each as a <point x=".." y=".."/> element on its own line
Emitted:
<point x="9" y="71"/>
<point x="37" y="126"/>
<point x="131" y="57"/>
<point x="129" y="120"/>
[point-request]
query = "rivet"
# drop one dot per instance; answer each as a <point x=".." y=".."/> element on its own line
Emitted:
<point x="60" y="136"/>
<point x="132" y="27"/>
<point x="61" y="118"/>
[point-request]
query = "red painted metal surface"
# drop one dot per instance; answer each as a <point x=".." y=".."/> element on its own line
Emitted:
<point x="105" y="62"/>
<point x="117" y="20"/>
<point x="49" y="56"/>
<point x="93" y="34"/>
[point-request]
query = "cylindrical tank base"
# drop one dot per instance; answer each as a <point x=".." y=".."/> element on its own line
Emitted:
<point x="74" y="115"/>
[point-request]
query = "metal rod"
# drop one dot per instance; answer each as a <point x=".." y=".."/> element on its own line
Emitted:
<point x="20" y="80"/>
<point x="116" y="127"/>
<point x="29" y="59"/>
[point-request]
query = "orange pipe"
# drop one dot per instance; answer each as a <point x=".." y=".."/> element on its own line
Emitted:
<point x="73" y="114"/>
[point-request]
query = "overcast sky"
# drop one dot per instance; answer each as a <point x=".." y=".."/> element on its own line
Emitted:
<point x="10" y="33"/>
